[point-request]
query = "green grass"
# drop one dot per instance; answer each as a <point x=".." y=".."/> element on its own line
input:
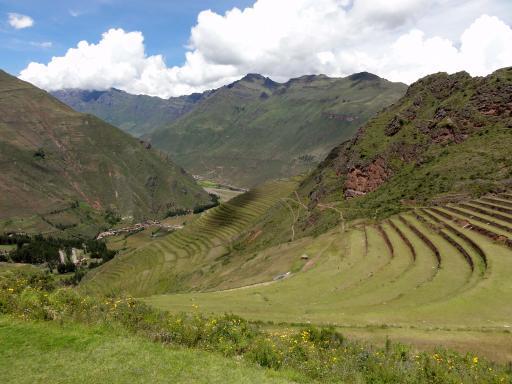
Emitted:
<point x="208" y="184"/>
<point x="37" y="352"/>
<point x="351" y="285"/>
<point x="304" y="354"/>
<point x="193" y="257"/>
<point x="9" y="267"/>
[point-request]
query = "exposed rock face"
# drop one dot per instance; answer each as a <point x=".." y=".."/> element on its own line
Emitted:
<point x="394" y="126"/>
<point x="440" y="85"/>
<point x="360" y="181"/>
<point x="493" y="101"/>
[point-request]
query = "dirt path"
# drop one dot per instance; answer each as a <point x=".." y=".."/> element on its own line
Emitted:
<point x="264" y="284"/>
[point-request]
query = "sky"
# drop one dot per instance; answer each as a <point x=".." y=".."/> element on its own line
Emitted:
<point x="175" y="47"/>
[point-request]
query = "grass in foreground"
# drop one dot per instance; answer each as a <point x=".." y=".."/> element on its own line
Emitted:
<point x="308" y="354"/>
<point x="41" y="352"/>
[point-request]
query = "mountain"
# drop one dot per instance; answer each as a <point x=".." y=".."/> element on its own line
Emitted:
<point x="448" y="139"/>
<point x="138" y="115"/>
<point x="249" y="131"/>
<point x="53" y="158"/>
<point x="256" y="129"/>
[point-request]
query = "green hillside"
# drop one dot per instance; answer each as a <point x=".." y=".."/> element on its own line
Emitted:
<point x="138" y="115"/>
<point x="250" y="131"/>
<point x="430" y="277"/>
<point x="194" y="257"/>
<point x="71" y="166"/>
<point x="256" y="129"/>
<point x="447" y="139"/>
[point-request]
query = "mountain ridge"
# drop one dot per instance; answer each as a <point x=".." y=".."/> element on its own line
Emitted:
<point x="255" y="129"/>
<point x="451" y="129"/>
<point x="211" y="133"/>
<point x="53" y="158"/>
<point x="134" y="114"/>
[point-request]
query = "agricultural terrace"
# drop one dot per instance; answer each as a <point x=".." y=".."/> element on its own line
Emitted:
<point x="430" y="276"/>
<point x="192" y="253"/>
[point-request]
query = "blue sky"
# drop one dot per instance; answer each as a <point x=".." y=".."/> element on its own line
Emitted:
<point x="166" y="25"/>
<point x="175" y="47"/>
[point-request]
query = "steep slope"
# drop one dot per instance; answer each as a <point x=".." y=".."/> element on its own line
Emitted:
<point x="193" y="257"/>
<point x="52" y="156"/>
<point x="138" y="115"/>
<point x="448" y="138"/>
<point x="256" y="129"/>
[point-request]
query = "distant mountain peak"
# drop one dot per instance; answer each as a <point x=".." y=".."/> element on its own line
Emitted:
<point x="306" y="79"/>
<point x="363" y="76"/>
<point x="253" y="77"/>
<point x="256" y="78"/>
<point x="81" y="94"/>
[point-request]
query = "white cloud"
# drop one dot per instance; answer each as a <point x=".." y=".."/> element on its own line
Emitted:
<point x="288" y="38"/>
<point x="486" y="45"/>
<point x="119" y="61"/>
<point x="19" y="21"/>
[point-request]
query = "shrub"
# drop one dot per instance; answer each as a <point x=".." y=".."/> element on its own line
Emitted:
<point x="66" y="267"/>
<point x="265" y="353"/>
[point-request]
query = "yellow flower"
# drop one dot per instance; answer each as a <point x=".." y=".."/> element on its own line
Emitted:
<point x="475" y="360"/>
<point x="10" y="289"/>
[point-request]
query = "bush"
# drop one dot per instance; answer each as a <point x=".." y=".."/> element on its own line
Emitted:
<point x="265" y="353"/>
<point x="66" y="267"/>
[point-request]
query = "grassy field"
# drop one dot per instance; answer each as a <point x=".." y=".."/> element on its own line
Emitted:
<point x="34" y="352"/>
<point x="428" y="277"/>
<point x="85" y="338"/>
<point x="7" y="267"/>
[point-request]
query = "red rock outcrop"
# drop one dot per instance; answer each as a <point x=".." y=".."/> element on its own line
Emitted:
<point x="360" y="181"/>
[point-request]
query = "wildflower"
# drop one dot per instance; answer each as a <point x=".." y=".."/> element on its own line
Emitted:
<point x="475" y="360"/>
<point x="10" y="290"/>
